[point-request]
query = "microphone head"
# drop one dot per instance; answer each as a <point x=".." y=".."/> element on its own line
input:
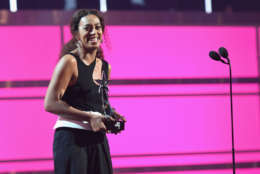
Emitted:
<point x="223" y="52"/>
<point x="214" y="55"/>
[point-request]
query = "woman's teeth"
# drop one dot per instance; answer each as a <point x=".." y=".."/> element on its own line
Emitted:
<point x="93" y="40"/>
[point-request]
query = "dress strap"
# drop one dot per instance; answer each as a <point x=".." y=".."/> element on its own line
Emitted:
<point x="105" y="68"/>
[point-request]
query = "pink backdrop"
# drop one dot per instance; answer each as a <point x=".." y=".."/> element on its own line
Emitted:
<point x="177" y="52"/>
<point x="28" y="52"/>
<point x="161" y="118"/>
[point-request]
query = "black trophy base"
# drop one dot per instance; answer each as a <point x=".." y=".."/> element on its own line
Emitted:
<point x="114" y="126"/>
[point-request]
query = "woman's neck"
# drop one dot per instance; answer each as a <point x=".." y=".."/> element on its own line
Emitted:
<point x="88" y="55"/>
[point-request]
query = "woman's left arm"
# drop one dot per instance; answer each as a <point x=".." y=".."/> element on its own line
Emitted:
<point x="109" y="70"/>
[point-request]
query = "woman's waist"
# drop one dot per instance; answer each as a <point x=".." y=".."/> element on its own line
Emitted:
<point x="80" y="136"/>
<point x="86" y="106"/>
<point x="62" y="121"/>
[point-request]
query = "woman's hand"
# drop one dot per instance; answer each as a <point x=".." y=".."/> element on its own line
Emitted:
<point x="96" y="122"/>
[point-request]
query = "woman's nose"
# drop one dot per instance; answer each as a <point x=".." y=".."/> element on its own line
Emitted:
<point x="93" y="31"/>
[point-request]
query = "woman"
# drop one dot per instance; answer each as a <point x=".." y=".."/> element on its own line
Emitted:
<point x="80" y="144"/>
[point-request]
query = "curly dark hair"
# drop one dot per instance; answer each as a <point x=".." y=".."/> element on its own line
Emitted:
<point x="74" y="25"/>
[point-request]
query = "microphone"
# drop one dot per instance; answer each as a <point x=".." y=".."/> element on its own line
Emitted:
<point x="215" y="56"/>
<point x="223" y="52"/>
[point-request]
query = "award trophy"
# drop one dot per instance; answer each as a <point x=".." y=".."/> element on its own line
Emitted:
<point x="117" y="125"/>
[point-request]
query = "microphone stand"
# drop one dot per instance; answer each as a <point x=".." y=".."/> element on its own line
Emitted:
<point x="215" y="56"/>
<point x="232" y="115"/>
<point x="232" y="118"/>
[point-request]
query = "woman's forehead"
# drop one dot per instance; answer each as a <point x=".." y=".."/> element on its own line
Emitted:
<point x="89" y="19"/>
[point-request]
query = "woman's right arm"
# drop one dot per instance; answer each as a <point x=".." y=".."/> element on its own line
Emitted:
<point x="60" y="80"/>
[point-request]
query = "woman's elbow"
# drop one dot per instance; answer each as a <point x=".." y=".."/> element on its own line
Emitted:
<point x="48" y="106"/>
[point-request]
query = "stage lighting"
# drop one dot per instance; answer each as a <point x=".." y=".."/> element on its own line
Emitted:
<point x="103" y="5"/>
<point x="208" y="6"/>
<point x="13" y="5"/>
<point x="138" y="2"/>
<point x="70" y="4"/>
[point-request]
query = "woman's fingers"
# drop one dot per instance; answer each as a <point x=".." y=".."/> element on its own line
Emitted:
<point x="120" y="117"/>
<point x="103" y="127"/>
<point x="108" y="118"/>
<point x="111" y="118"/>
<point x="97" y="123"/>
<point x="123" y="118"/>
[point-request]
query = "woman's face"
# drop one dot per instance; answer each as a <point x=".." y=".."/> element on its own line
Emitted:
<point x="90" y="32"/>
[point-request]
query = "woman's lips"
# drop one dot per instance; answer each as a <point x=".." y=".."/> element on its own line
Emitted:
<point x="93" y="40"/>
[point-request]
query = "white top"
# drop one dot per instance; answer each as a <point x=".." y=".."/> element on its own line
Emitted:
<point x="64" y="122"/>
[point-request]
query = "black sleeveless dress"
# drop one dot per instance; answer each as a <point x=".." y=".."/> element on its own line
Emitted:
<point x="78" y="151"/>
<point x="84" y="94"/>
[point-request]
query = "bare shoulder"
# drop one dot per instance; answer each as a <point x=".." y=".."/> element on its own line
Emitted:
<point x="67" y="66"/>
<point x="68" y="60"/>
<point x="109" y="71"/>
<point x="99" y="60"/>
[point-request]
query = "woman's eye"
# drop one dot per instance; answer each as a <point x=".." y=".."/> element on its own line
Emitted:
<point x="87" y="28"/>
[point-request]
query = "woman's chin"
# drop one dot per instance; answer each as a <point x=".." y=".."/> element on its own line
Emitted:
<point x="93" y="47"/>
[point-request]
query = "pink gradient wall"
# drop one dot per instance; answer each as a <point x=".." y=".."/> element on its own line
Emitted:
<point x="177" y="52"/>
<point x="179" y="118"/>
<point x="28" y="52"/>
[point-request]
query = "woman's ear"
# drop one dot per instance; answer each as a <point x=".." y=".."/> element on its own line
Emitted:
<point x="76" y="35"/>
<point x="77" y="39"/>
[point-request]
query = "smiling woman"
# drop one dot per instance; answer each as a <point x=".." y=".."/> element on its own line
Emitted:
<point x="74" y="29"/>
<point x="80" y="143"/>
